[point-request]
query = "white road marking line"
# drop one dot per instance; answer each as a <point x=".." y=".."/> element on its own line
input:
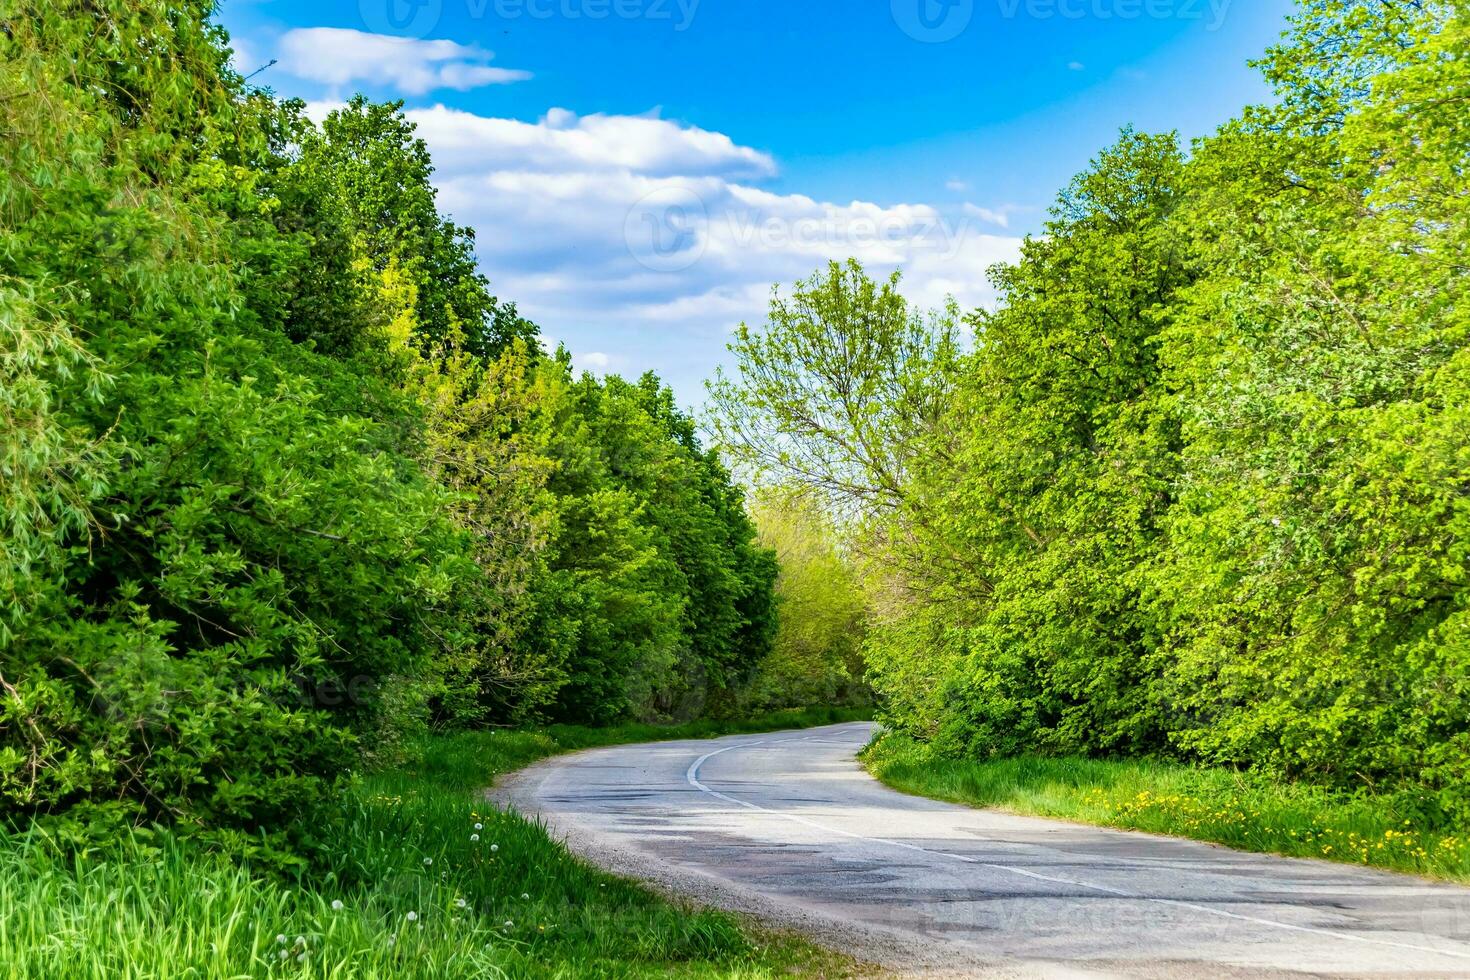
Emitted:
<point x="692" y="775"/>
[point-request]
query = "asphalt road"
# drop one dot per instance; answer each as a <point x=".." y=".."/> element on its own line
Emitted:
<point x="788" y="827"/>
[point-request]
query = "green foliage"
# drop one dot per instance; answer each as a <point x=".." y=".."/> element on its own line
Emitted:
<point x="1316" y="595"/>
<point x="1053" y="464"/>
<point x="654" y="587"/>
<point x="263" y="578"/>
<point x="280" y="481"/>
<point x="1202" y="485"/>
<point x="1239" y="810"/>
<point x="817" y="658"/>
<point x="494" y="894"/>
<point x="366" y="158"/>
<point x="834" y="391"/>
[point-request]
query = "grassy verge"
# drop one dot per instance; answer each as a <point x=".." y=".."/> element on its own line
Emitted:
<point x="420" y="879"/>
<point x="509" y="750"/>
<point x="1216" y="805"/>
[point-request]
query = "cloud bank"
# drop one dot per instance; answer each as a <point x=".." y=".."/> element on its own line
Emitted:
<point x="642" y="241"/>
<point x="643" y="223"/>
<point x="337" y="56"/>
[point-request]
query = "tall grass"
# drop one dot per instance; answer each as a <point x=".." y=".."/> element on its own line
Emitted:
<point x="1217" y="805"/>
<point x="417" y="878"/>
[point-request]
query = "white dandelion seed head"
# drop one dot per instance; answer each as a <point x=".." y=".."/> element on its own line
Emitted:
<point x="509" y="924"/>
<point x="412" y="917"/>
<point x="479" y="826"/>
<point x="301" y="956"/>
<point x="428" y="861"/>
<point x="494" y="847"/>
<point x="460" y="903"/>
<point x="283" y="953"/>
<point x="525" y="897"/>
<point x="281" y="938"/>
<point x="474" y="837"/>
<point x="336" y="905"/>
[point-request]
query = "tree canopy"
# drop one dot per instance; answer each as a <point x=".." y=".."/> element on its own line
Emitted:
<point x="1199" y="485"/>
<point x="282" y="480"/>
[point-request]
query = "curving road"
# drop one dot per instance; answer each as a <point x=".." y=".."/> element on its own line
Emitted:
<point x="787" y="826"/>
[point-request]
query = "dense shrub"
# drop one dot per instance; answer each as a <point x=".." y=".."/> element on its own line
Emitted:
<point x="1202" y="484"/>
<point x="821" y="619"/>
<point x="280" y="480"/>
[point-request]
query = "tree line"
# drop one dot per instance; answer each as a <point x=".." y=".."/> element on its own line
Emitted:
<point x="1199" y="484"/>
<point x="282" y="482"/>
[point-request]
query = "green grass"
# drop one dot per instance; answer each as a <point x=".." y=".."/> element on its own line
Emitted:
<point x="1216" y="805"/>
<point x="420" y="879"/>
<point x="509" y="750"/>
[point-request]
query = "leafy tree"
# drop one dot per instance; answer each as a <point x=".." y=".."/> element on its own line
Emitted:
<point x="837" y="390"/>
<point x="654" y="565"/>
<point x="817" y="656"/>
<point x="1316" y="589"/>
<point x="257" y="579"/>
<point x="366" y="157"/>
<point x="1055" y="469"/>
<point x="483" y="435"/>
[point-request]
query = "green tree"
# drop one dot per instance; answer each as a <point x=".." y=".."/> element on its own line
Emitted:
<point x="821" y="614"/>
<point x="653" y="569"/>
<point x="259" y="579"/>
<point x="837" y="390"/>
<point x="1316" y="588"/>
<point x="1055" y="467"/>
<point x="366" y="158"/>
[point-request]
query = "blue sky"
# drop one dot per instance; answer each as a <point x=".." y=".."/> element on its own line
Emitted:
<point x="639" y="172"/>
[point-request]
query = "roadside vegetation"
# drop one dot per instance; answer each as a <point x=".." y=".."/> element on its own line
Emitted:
<point x="1197" y="488"/>
<point x="305" y="536"/>
<point x="412" y="874"/>
<point x="285" y="486"/>
<point x="1221" y="806"/>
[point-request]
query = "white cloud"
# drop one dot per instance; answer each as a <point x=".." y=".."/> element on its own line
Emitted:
<point x="564" y="143"/>
<point x="595" y="361"/>
<point x="242" y="58"/>
<point x="996" y="216"/>
<point x="1075" y="66"/>
<point x="338" y="56"/>
<point x="956" y="185"/>
<point x="643" y="241"/>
